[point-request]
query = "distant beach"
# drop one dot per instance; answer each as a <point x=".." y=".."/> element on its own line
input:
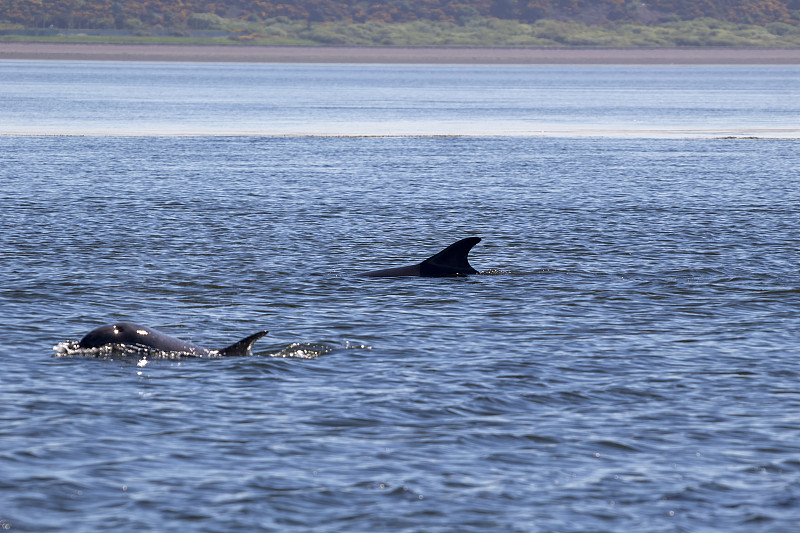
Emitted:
<point x="398" y="55"/>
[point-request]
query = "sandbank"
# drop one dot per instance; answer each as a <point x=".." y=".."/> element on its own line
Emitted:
<point x="398" y="55"/>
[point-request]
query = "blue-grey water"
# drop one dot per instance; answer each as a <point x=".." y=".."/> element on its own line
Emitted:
<point x="628" y="361"/>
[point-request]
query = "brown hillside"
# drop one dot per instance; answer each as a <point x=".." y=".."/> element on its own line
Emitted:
<point x="184" y="13"/>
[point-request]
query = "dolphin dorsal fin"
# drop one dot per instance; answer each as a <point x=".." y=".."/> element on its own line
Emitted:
<point x="452" y="261"/>
<point x="242" y="348"/>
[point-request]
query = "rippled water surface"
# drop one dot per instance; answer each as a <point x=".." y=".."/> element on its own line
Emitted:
<point x="628" y="361"/>
<point x="107" y="98"/>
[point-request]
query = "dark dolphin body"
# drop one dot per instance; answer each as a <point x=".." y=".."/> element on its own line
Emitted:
<point x="141" y="336"/>
<point x="452" y="261"/>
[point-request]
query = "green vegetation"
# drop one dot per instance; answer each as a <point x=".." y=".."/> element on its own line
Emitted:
<point x="150" y="39"/>
<point x="552" y="33"/>
<point x="476" y="32"/>
<point x="586" y="23"/>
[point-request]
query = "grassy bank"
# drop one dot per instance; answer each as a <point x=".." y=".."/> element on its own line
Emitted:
<point x="483" y="32"/>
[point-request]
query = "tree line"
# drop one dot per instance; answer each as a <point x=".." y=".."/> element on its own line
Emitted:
<point x="194" y="14"/>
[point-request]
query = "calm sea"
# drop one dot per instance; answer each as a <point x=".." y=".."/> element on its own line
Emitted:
<point x="629" y="362"/>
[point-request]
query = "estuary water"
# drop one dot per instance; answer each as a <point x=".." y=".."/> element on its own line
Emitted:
<point x="107" y="98"/>
<point x="627" y="361"/>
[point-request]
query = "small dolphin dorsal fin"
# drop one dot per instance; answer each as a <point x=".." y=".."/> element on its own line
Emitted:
<point x="452" y="261"/>
<point x="242" y="348"/>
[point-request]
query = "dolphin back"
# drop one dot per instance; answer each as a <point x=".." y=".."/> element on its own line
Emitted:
<point x="137" y="335"/>
<point x="452" y="261"/>
<point x="242" y="348"/>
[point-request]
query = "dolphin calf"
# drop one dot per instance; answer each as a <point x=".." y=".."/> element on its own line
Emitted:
<point x="452" y="261"/>
<point x="138" y="336"/>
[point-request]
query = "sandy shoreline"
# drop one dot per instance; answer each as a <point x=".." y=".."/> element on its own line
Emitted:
<point x="398" y="55"/>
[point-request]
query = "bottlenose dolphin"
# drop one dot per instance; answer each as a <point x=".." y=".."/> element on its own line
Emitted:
<point x="452" y="261"/>
<point x="138" y="336"/>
